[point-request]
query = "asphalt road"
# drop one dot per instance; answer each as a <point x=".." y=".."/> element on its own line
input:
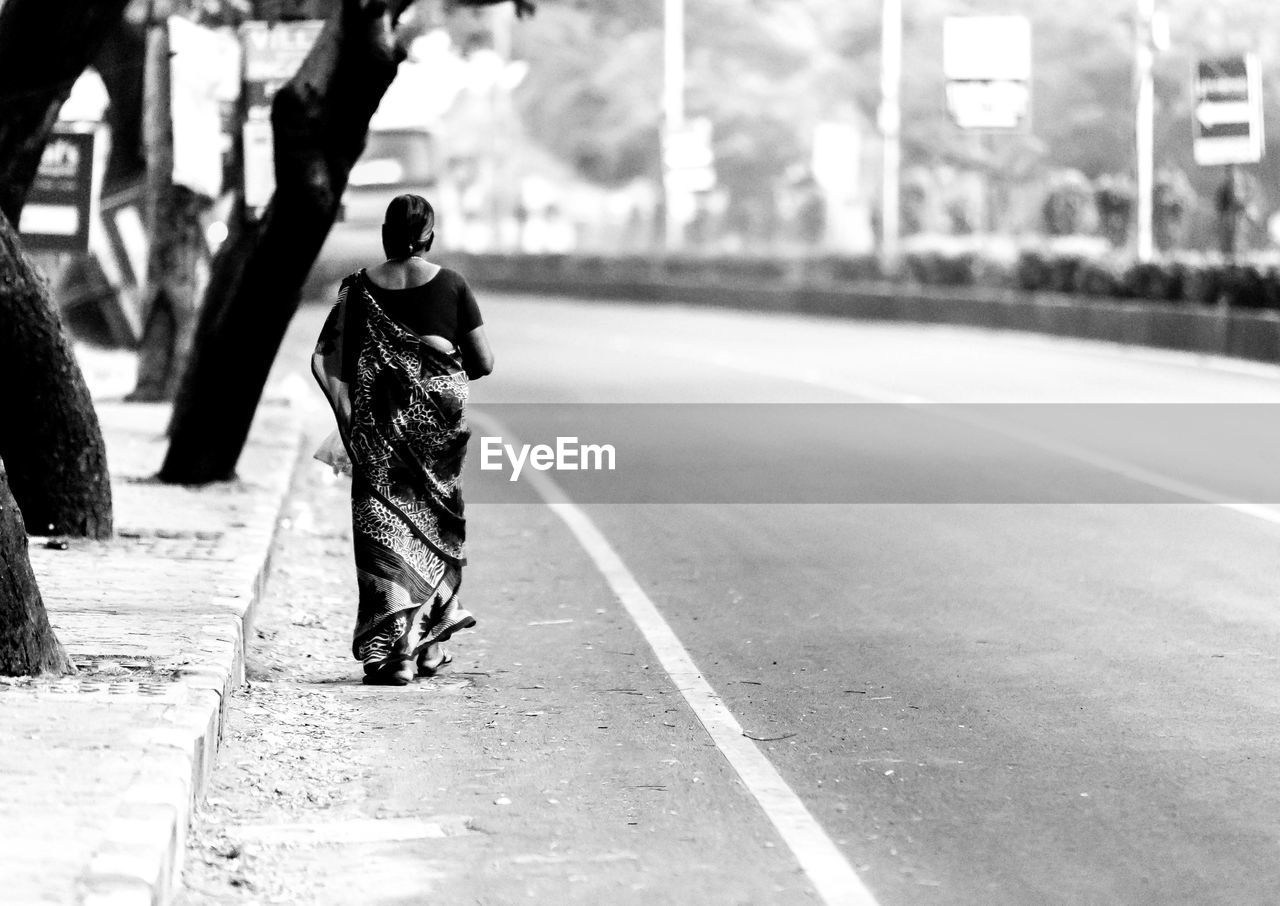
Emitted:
<point x="1068" y="702"/>
<point x="1005" y="653"/>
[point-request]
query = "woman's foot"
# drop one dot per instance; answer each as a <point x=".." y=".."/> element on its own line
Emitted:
<point x="391" y="672"/>
<point x="433" y="659"/>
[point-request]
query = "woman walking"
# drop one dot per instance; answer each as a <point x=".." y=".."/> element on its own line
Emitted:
<point x="394" y="359"/>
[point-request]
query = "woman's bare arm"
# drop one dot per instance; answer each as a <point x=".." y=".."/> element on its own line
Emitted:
<point x="477" y="357"/>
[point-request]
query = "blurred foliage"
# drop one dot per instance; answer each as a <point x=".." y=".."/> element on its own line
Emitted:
<point x="767" y="71"/>
<point x="970" y="272"/>
<point x="1068" y="203"/>
<point x="599" y="111"/>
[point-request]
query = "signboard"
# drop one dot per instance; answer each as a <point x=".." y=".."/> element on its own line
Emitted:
<point x="259" y="164"/>
<point x="837" y="156"/>
<point x="117" y="255"/>
<point x="59" y="206"/>
<point x="987" y="62"/>
<point x="1228" y="111"/>
<point x="204" y="78"/>
<point x="689" y="160"/>
<point x="273" y="52"/>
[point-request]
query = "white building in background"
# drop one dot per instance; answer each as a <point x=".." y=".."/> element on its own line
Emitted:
<point x="88" y="99"/>
<point x="839" y="165"/>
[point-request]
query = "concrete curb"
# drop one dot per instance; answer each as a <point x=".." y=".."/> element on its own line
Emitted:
<point x="139" y="859"/>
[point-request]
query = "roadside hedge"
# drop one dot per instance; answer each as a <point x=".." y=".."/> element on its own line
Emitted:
<point x="1175" y="281"/>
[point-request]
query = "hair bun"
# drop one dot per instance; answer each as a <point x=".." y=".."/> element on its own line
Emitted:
<point x="409" y="219"/>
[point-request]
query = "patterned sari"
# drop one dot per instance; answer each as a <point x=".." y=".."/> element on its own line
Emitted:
<point x="400" y="406"/>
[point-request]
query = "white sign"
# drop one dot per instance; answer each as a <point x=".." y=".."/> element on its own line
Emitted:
<point x="702" y="179"/>
<point x="689" y="147"/>
<point x="204" y="69"/>
<point x="1228" y="113"/>
<point x="259" y="164"/>
<point x="980" y="48"/>
<point x="62" y="201"/>
<point x="274" y="51"/>
<point x="989" y="105"/>
<point x="987" y="62"/>
<point x="837" y="156"/>
<point x="689" y="160"/>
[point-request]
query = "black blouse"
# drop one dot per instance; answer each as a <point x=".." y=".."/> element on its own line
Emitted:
<point x="443" y="306"/>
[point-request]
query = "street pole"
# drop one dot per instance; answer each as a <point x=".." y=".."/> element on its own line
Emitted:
<point x="1229" y="203"/>
<point x="890" y="126"/>
<point x="1144" y="58"/>
<point x="673" y="111"/>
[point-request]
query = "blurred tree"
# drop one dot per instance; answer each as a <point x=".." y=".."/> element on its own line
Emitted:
<point x="176" y="255"/>
<point x="121" y="64"/>
<point x="915" y="200"/>
<point x="960" y="215"/>
<point x="593" y="94"/>
<point x="594" y="91"/>
<point x="811" y="216"/>
<point x="1113" y="196"/>
<point x="1237" y="205"/>
<point x="1067" y="204"/>
<point x="1172" y="201"/>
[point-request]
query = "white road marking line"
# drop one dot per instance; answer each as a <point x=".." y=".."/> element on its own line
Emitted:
<point x="1193" y="492"/>
<point x="836" y="881"/>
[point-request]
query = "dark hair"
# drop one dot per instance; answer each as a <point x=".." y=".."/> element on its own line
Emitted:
<point x="407" y="228"/>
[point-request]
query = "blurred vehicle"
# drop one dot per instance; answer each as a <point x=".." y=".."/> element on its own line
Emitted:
<point x="395" y="161"/>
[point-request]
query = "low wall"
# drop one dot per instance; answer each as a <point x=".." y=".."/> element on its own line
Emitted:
<point x="774" y="286"/>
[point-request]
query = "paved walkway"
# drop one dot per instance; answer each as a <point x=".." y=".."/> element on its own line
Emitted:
<point x="98" y="771"/>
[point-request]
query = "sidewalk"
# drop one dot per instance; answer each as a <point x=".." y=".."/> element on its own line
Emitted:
<point x="98" y="771"/>
<point x="554" y="762"/>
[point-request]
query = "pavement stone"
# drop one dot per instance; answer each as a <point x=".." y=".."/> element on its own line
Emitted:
<point x="100" y="771"/>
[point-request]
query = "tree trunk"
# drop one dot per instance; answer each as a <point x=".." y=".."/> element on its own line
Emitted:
<point x="120" y="64"/>
<point x="27" y="643"/>
<point x="319" y="120"/>
<point x="49" y="434"/>
<point x="50" y="439"/>
<point x="44" y="47"/>
<point x="176" y="268"/>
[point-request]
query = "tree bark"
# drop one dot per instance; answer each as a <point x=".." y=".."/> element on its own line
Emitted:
<point x="121" y="64"/>
<point x="50" y="439"/>
<point x="44" y="47"/>
<point x="177" y="271"/>
<point x="27" y="643"/>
